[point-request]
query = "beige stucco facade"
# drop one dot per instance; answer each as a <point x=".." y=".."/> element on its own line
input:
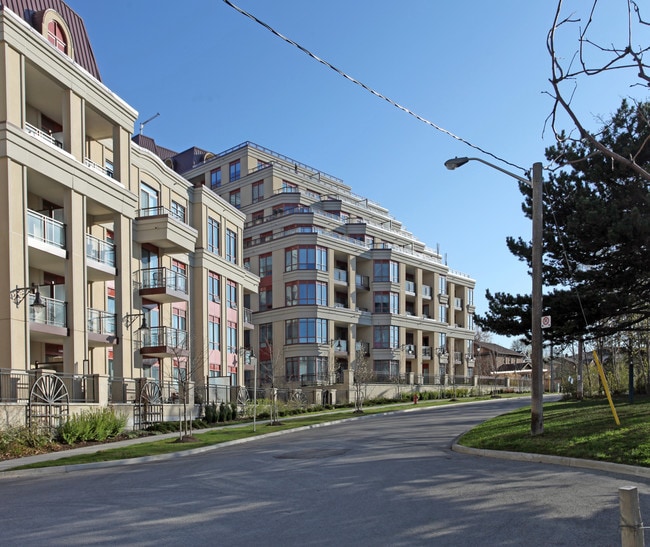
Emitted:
<point x="103" y="234"/>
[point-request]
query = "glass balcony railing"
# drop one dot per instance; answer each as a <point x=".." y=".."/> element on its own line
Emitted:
<point x="45" y="229"/>
<point x="53" y="312"/>
<point x="164" y="336"/>
<point x="100" y="250"/>
<point x="101" y="322"/>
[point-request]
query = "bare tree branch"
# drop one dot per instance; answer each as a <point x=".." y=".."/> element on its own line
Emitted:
<point x="564" y="79"/>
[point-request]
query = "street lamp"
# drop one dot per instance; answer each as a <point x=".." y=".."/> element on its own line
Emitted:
<point x="537" y="391"/>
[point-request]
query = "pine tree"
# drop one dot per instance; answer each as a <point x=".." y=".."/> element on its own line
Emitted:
<point x="596" y="238"/>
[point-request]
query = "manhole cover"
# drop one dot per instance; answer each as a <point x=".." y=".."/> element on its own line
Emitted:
<point x="313" y="454"/>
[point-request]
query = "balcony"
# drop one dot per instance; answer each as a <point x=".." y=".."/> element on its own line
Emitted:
<point x="164" y="342"/>
<point x="158" y="226"/>
<point x="44" y="136"/>
<point x="426" y="292"/>
<point x="362" y="282"/>
<point x="46" y="239"/>
<point x="96" y="167"/>
<point x="409" y="287"/>
<point x="101" y="328"/>
<point x="100" y="256"/>
<point x="50" y="322"/>
<point x="340" y="276"/>
<point x="248" y="319"/>
<point x="427" y="353"/>
<point x="162" y="285"/>
<point x="409" y="351"/>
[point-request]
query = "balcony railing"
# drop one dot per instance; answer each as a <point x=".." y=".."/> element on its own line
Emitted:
<point x="161" y="278"/>
<point x="45" y="136"/>
<point x="409" y="286"/>
<point x="101" y="322"/>
<point x="96" y="167"/>
<point x="165" y="336"/>
<point x="45" y="229"/>
<point x="54" y="312"/>
<point x="248" y="316"/>
<point x="340" y="275"/>
<point x="100" y="250"/>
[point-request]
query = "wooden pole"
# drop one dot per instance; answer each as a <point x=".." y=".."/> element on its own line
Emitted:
<point x="630" y="523"/>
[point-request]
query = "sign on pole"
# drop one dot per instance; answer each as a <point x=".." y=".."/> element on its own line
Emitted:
<point x="546" y="321"/>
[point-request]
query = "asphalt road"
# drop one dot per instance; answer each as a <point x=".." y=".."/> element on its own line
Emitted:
<point x="389" y="480"/>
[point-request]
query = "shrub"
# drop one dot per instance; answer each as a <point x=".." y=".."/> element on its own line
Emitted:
<point x="233" y="411"/>
<point x="21" y="441"/>
<point x="92" y="425"/>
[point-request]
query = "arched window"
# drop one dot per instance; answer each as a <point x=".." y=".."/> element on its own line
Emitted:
<point x="57" y="36"/>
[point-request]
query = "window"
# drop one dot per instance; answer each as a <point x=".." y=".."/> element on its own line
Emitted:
<point x="442" y="285"/>
<point x="306" y="369"/>
<point x="258" y="191"/>
<point x="266" y="334"/>
<point x="386" y="270"/>
<point x="470" y="297"/>
<point x="306" y="331"/>
<point x="231" y="294"/>
<point x="308" y="257"/>
<point x="232" y="337"/>
<point x="231" y="246"/>
<point x="214" y="291"/>
<point x="386" y="337"/>
<point x="266" y="298"/>
<point x="442" y="313"/>
<point x="108" y="168"/>
<point x="301" y="293"/>
<point x="213" y="236"/>
<point x="289" y="187"/>
<point x="235" y="198"/>
<point x="386" y="302"/>
<point x="470" y="321"/>
<point x="215" y="178"/>
<point x="178" y="211"/>
<point x="266" y="265"/>
<point x="148" y="200"/>
<point x="177" y="278"/>
<point x="385" y="369"/>
<point x="258" y="217"/>
<point x="179" y="320"/>
<point x="214" y="332"/>
<point x="57" y="37"/>
<point x="442" y="340"/>
<point x="235" y="170"/>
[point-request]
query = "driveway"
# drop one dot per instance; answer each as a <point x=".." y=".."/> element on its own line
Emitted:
<point x="381" y="480"/>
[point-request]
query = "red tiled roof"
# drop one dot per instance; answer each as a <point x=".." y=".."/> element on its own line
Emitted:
<point x="83" y="51"/>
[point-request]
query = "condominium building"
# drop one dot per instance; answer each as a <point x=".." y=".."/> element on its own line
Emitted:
<point x="342" y="282"/>
<point x="117" y="268"/>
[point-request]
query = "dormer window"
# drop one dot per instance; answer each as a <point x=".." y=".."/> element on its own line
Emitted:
<point x="55" y="29"/>
<point x="57" y="36"/>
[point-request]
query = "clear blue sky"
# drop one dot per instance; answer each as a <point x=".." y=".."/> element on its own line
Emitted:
<point x="478" y="69"/>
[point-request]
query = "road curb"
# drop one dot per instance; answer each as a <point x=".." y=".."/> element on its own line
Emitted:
<point x="619" y="468"/>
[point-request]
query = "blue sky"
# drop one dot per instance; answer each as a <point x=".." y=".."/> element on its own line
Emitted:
<point x="479" y="69"/>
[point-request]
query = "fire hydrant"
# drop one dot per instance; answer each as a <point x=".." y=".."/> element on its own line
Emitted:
<point x="415" y="398"/>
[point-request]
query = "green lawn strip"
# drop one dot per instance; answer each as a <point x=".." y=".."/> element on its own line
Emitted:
<point x="225" y="434"/>
<point x="578" y="429"/>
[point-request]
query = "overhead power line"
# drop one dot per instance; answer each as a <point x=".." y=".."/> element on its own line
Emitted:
<point x="368" y="88"/>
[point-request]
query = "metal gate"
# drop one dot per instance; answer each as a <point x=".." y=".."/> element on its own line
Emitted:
<point x="148" y="407"/>
<point x="49" y="403"/>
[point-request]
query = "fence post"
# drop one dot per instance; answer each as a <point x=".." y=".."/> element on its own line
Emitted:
<point x="630" y="523"/>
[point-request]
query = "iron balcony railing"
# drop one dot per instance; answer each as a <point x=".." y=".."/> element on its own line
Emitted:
<point x="161" y="278"/>
<point x="164" y="336"/>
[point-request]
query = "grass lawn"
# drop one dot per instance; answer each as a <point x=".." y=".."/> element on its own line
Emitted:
<point x="579" y="429"/>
